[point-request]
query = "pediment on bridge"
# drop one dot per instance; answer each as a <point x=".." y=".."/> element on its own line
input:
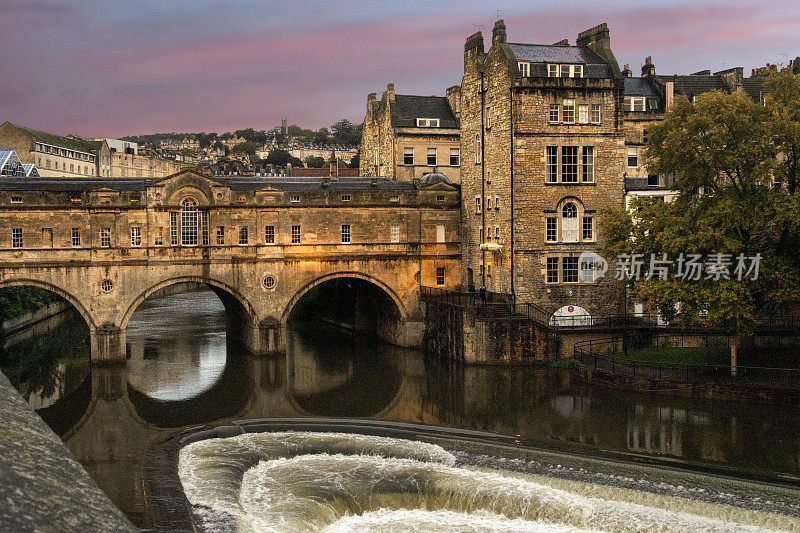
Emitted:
<point x="172" y="189"/>
<point x="194" y="174"/>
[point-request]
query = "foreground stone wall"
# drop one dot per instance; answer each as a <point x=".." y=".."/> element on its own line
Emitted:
<point x="44" y="488"/>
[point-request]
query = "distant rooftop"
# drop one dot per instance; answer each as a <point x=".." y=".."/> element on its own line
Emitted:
<point x="408" y="108"/>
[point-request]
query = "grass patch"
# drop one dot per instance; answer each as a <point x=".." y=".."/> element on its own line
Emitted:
<point x="562" y="363"/>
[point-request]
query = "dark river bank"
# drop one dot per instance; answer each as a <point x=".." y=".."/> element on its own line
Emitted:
<point x="181" y="374"/>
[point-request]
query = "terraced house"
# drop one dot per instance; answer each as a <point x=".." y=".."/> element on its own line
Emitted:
<point x="407" y="136"/>
<point x="543" y="147"/>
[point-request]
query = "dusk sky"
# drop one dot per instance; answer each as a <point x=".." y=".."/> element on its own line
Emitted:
<point x="102" y="68"/>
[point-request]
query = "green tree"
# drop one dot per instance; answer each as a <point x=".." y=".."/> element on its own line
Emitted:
<point x="721" y="151"/>
<point x="783" y="104"/>
<point x="322" y="136"/>
<point x="314" y="161"/>
<point x="246" y="147"/>
<point x="281" y="158"/>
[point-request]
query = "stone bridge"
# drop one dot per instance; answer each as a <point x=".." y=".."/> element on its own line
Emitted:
<point x="262" y="244"/>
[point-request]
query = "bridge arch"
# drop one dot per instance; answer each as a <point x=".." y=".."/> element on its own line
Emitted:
<point x="66" y="295"/>
<point x="215" y="285"/>
<point x="354" y="300"/>
<point x="344" y="274"/>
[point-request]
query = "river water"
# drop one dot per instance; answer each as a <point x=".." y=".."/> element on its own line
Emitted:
<point x="182" y="375"/>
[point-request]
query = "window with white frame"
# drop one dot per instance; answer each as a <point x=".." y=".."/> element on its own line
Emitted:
<point x="455" y="157"/>
<point x="394" y="233"/>
<point x="269" y="234"/>
<point x="568" y="112"/>
<point x="158" y="236"/>
<point x="587" y="164"/>
<point x="634" y="103"/>
<point x="594" y="115"/>
<point x="524" y="69"/>
<point x="76" y="237"/>
<point x="552" y="164"/>
<point x="189" y="222"/>
<point x="587" y="229"/>
<point x="554" y="113"/>
<point x="569" y="164"/>
<point x="551" y="229"/>
<point x="477" y="149"/>
<point x="243" y="235"/>
<point x="296" y="234"/>
<point x="569" y="223"/>
<point x="431" y="157"/>
<point x="16" y="237"/>
<point x="583" y="114"/>
<point x="552" y="71"/>
<point x="105" y="237"/>
<point x="408" y="155"/>
<point x="427" y="122"/>
<point x="345" y="233"/>
<point x="136" y="236"/>
<point x="633" y="157"/>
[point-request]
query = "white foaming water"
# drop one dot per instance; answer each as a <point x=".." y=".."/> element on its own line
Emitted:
<point x="343" y="482"/>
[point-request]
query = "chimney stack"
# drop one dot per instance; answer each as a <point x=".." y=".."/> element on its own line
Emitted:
<point x="390" y="92"/>
<point x="499" y="32"/>
<point x="648" y="69"/>
<point x="598" y="39"/>
<point x="626" y="72"/>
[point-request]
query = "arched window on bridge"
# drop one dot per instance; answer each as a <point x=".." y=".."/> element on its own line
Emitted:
<point x="191" y="224"/>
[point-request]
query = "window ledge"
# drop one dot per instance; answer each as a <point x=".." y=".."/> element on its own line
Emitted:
<point x="572" y="184"/>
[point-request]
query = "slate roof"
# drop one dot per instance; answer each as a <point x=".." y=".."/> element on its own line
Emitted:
<point x="754" y="87"/>
<point x="640" y="87"/>
<point x="408" y="108"/>
<point x="539" y="55"/>
<point x="70" y="143"/>
<point x="542" y="53"/>
<point x="237" y="183"/>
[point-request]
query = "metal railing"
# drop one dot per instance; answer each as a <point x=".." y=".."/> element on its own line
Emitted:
<point x="488" y="304"/>
<point x="605" y="356"/>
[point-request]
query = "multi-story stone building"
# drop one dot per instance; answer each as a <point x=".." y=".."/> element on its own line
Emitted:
<point x="406" y="137"/>
<point x="54" y="155"/>
<point x="128" y="165"/>
<point x="542" y="146"/>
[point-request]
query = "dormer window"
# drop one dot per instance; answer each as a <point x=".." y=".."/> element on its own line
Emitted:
<point x="634" y="103"/>
<point x="564" y="71"/>
<point x="427" y="122"/>
<point x="524" y="69"/>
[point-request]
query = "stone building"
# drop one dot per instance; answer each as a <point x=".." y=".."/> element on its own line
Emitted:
<point x="123" y="164"/>
<point x="646" y="101"/>
<point x="542" y="145"/>
<point x="406" y="137"/>
<point x="54" y="155"/>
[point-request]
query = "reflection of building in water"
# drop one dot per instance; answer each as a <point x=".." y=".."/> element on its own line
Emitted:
<point x="662" y="434"/>
<point x="306" y="374"/>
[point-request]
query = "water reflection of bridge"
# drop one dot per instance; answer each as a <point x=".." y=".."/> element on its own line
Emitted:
<point x="120" y="425"/>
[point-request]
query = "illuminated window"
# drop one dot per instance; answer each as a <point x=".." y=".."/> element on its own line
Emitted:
<point x="136" y="236"/>
<point x="189" y="222"/>
<point x="158" y="238"/>
<point x="220" y="235"/>
<point x="395" y="233"/>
